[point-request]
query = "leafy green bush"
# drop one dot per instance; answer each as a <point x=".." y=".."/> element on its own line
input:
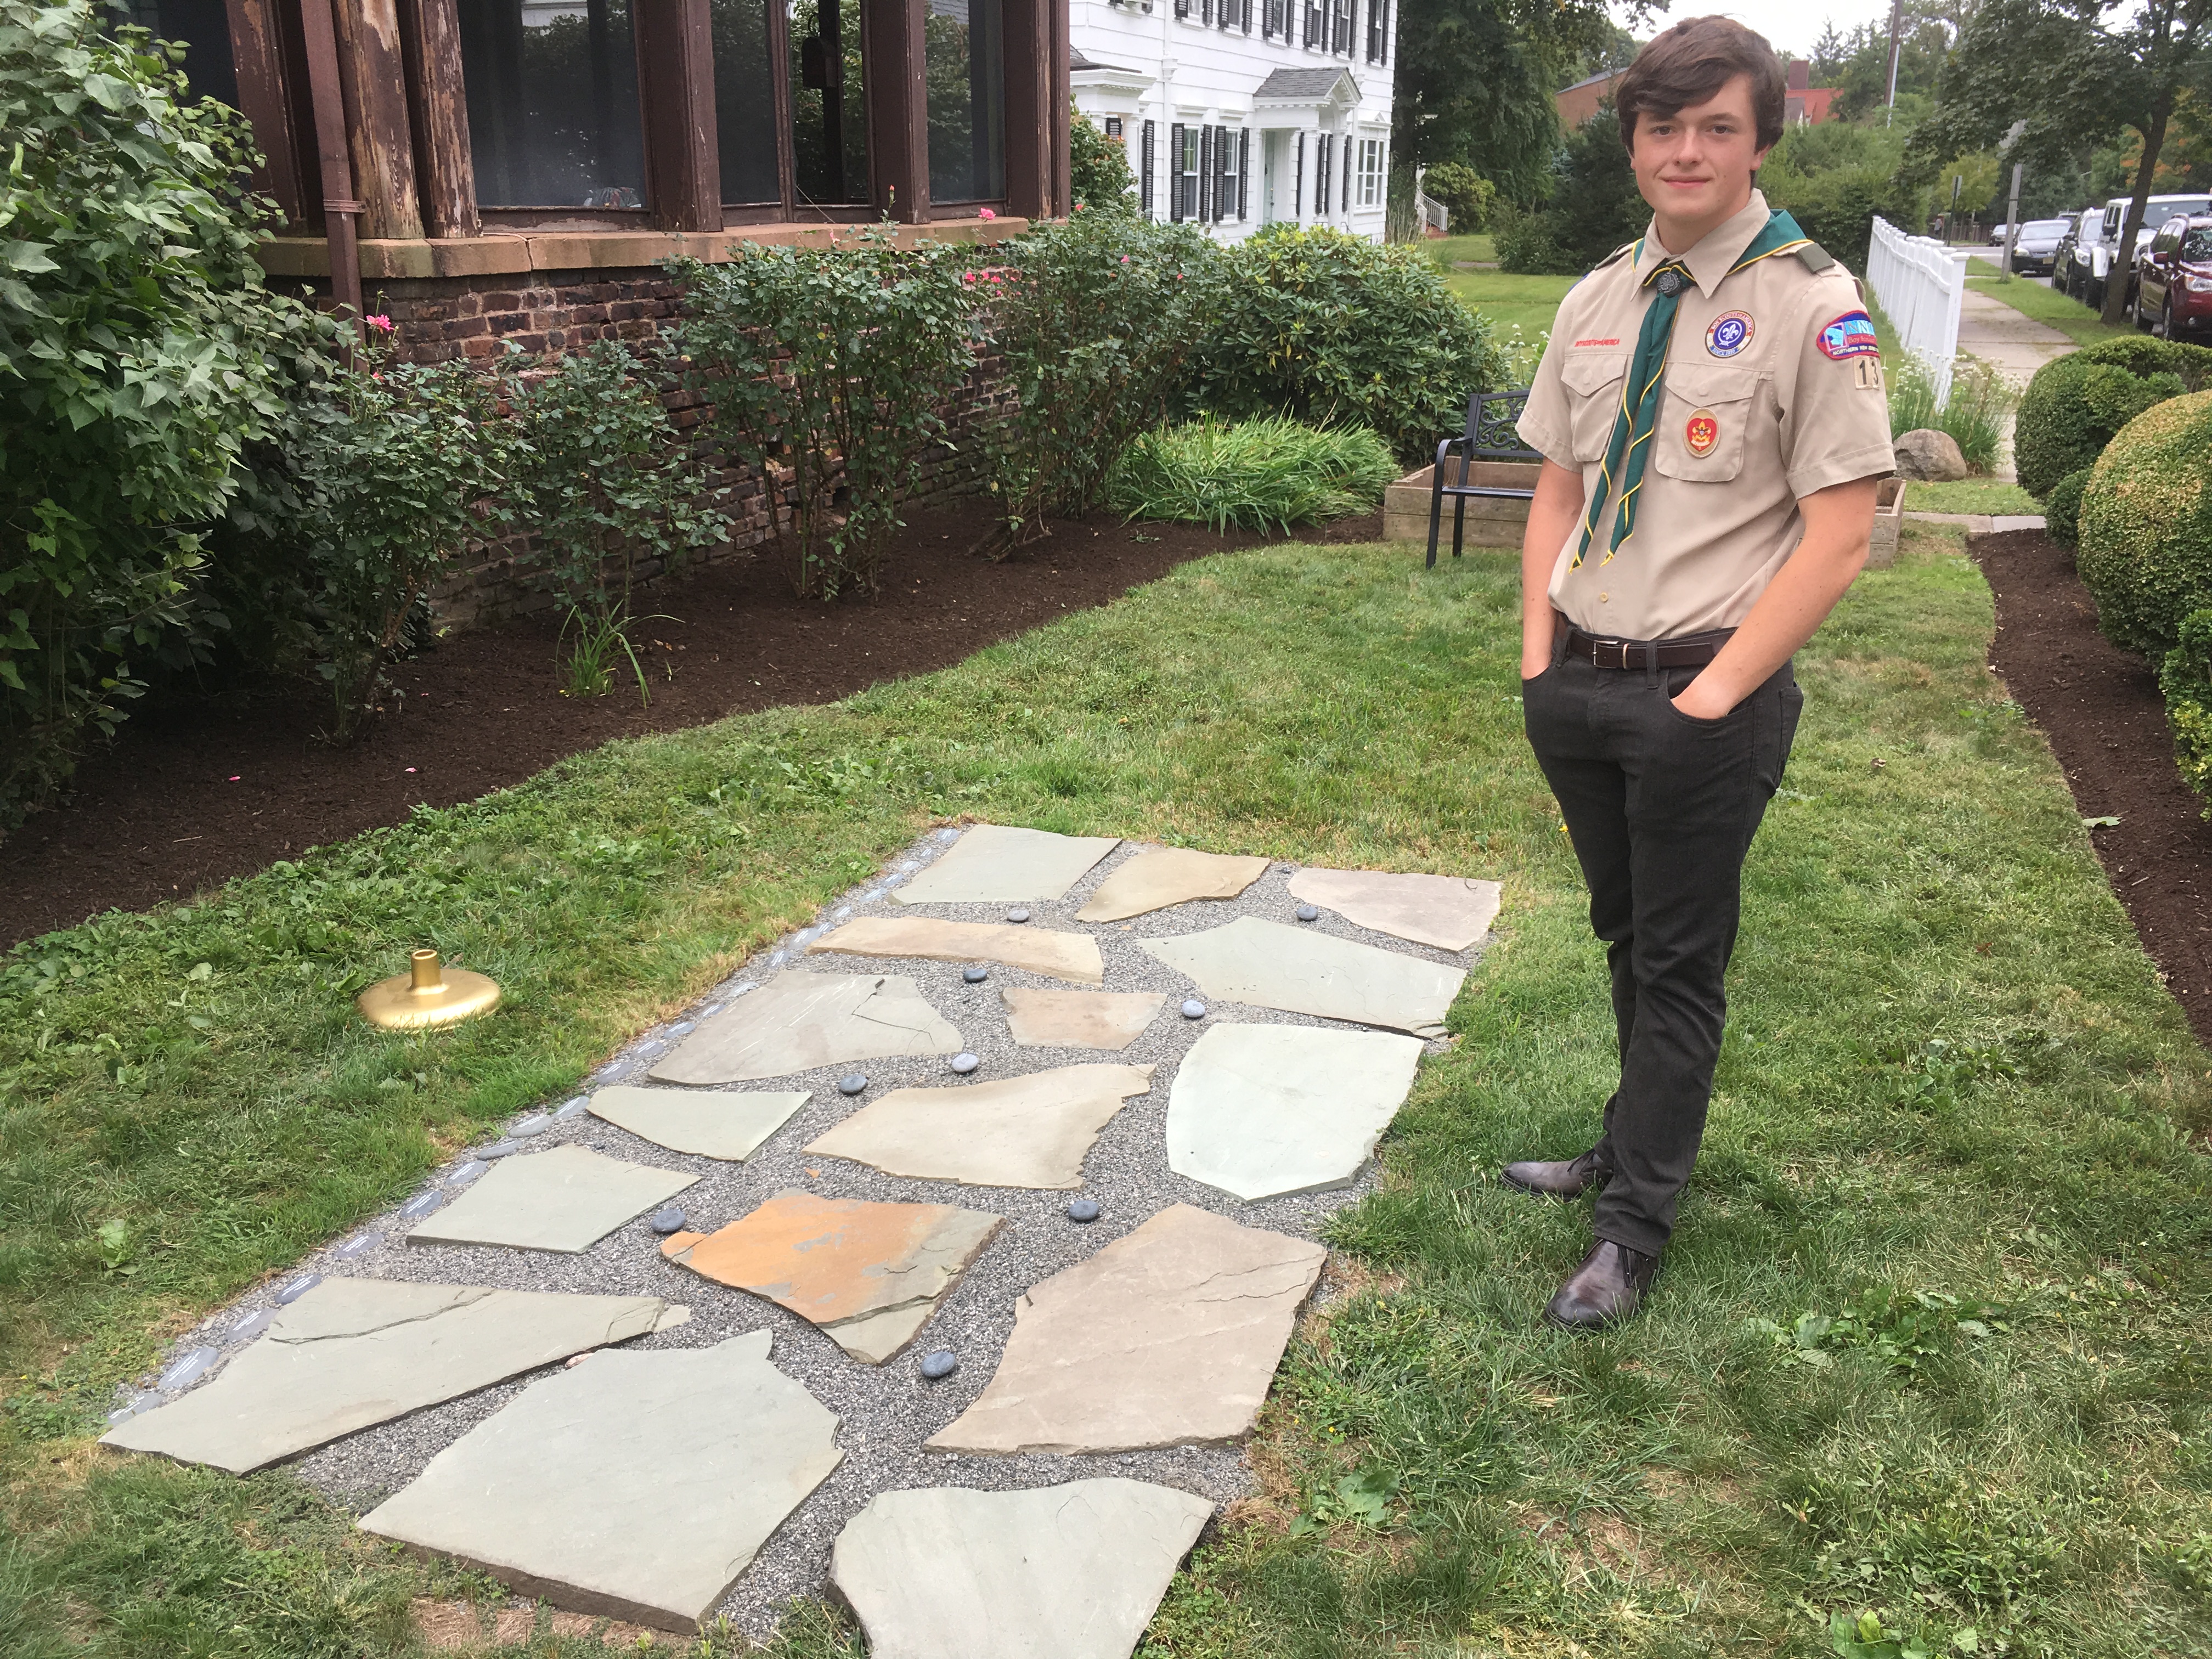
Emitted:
<point x="139" y="353"/>
<point x="829" y="369"/>
<point x="1525" y="245"/>
<point x="1592" y="208"/>
<point x="1263" y="475"/>
<point x="1097" y="319"/>
<point x="1335" y="330"/>
<point x="2146" y="526"/>
<point x="2062" y="508"/>
<point x="1465" y="194"/>
<point x="2185" y="677"/>
<point x="2075" y="403"/>
<point x="1098" y="171"/>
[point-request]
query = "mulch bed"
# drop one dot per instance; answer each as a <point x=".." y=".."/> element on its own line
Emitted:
<point x="195" y="793"/>
<point x="2101" y="709"/>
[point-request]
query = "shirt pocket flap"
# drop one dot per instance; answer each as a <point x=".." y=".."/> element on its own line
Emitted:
<point x="1711" y="383"/>
<point x="1586" y="372"/>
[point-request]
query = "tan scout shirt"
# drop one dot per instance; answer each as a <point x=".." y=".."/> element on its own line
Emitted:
<point x="1757" y="412"/>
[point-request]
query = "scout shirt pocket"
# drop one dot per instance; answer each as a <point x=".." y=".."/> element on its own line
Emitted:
<point x="1593" y="379"/>
<point x="1705" y="421"/>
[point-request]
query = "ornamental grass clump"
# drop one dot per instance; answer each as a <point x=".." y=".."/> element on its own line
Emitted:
<point x="1974" y="413"/>
<point x="1265" y="475"/>
<point x="829" y="369"/>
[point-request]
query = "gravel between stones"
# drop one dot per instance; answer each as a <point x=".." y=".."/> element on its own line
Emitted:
<point x="887" y="1412"/>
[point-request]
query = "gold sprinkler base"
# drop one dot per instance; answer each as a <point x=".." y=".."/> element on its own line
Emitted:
<point x="427" y="996"/>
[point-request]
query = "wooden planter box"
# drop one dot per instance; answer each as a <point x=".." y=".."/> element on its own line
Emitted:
<point x="1490" y="523"/>
<point x="1888" y="519"/>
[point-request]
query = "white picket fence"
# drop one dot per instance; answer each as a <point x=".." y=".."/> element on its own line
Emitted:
<point x="1919" y="282"/>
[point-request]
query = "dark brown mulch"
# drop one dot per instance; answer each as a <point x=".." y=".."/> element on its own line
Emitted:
<point x="2100" y="707"/>
<point x="194" y="795"/>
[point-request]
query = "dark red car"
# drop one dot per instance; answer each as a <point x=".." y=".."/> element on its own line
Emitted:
<point x="2175" y="295"/>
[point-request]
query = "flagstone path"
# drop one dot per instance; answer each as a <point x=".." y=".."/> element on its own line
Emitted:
<point x="864" y="1305"/>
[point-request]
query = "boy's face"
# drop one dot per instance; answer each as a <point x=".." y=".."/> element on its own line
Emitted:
<point x="1695" y="166"/>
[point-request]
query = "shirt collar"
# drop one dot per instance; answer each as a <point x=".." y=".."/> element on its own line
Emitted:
<point x="1716" y="254"/>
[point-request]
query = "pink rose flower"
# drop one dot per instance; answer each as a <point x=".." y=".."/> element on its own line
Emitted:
<point x="985" y="213"/>
<point x="380" y="322"/>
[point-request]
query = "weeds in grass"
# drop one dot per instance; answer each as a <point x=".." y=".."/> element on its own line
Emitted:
<point x="1980" y="402"/>
<point x="1264" y="475"/>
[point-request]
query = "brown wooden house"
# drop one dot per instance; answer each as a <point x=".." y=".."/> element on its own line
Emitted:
<point x="489" y="169"/>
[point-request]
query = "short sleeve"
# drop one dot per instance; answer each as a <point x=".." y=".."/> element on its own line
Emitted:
<point x="1835" y="408"/>
<point x="1547" y="422"/>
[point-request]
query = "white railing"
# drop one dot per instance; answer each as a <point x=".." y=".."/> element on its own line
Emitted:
<point x="1919" y="282"/>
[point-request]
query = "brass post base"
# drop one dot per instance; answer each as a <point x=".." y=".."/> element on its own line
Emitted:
<point x="427" y="996"/>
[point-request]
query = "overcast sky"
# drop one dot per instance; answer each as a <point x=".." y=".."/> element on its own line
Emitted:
<point x="1790" y="25"/>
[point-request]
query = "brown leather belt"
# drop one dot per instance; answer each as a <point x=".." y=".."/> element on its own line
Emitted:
<point x="1685" y="650"/>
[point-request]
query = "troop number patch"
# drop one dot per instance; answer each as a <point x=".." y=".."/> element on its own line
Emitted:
<point x="1850" y="335"/>
<point x="1702" y="433"/>
<point x="1730" y="332"/>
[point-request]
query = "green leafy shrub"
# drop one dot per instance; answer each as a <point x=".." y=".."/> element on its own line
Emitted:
<point x="2075" y="403"/>
<point x="1097" y="319"/>
<point x="1098" y="171"/>
<point x="1465" y="194"/>
<point x="2185" y="677"/>
<point x="829" y="369"/>
<point x="2146" y="526"/>
<point x="139" y="353"/>
<point x="1263" y="475"/>
<point x="2062" y="508"/>
<point x="1332" y="329"/>
<point x="1592" y="208"/>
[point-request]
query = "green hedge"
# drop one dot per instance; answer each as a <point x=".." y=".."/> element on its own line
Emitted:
<point x="2146" y="526"/>
<point x="2185" y="677"/>
<point x="2075" y="405"/>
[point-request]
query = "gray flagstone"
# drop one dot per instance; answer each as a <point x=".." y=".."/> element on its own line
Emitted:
<point x="1266" y="964"/>
<point x="800" y="1021"/>
<point x="568" y="1198"/>
<point x="1079" y="1019"/>
<point x="724" y="1123"/>
<point x="994" y="864"/>
<point x="1449" y="912"/>
<point x="1042" y="950"/>
<point x="1171" y="875"/>
<point x="1030" y="1131"/>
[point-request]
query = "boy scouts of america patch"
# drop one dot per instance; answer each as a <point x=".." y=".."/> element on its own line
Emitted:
<point x="1703" y="432"/>
<point x="1850" y="335"/>
<point x="1730" y="332"/>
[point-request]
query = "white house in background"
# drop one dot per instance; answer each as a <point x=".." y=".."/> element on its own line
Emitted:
<point x="1236" y="113"/>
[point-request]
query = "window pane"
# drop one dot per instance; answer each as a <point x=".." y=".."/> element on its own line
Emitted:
<point x="745" y="101"/>
<point x="829" y="108"/>
<point x="965" y="66"/>
<point x="552" y="94"/>
<point x="202" y="28"/>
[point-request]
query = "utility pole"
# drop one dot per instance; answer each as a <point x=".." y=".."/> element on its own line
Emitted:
<point x="1896" y="29"/>
<point x="2012" y="212"/>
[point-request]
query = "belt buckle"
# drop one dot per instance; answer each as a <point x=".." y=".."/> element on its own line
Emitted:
<point x="1617" y="648"/>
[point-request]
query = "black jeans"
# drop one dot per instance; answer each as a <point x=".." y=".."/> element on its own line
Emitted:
<point x="1662" y="808"/>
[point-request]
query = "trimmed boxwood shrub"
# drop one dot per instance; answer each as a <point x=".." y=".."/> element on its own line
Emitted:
<point x="2075" y="405"/>
<point x="2187" y="678"/>
<point x="2146" y="526"/>
<point x="2062" y="508"/>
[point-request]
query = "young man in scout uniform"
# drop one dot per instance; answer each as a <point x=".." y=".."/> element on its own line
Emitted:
<point x="1712" y="419"/>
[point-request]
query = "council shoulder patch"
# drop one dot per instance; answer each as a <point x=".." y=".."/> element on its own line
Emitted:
<point x="1703" y="432"/>
<point x="1730" y="332"/>
<point x="1850" y="335"/>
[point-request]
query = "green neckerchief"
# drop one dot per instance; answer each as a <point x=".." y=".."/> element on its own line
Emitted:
<point x="1639" y="392"/>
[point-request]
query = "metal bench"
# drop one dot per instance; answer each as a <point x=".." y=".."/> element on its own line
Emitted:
<point x="1489" y="437"/>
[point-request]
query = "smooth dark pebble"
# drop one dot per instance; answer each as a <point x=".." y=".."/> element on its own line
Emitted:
<point x="292" y="1290"/>
<point x="851" y="1083"/>
<point x="501" y="1149"/>
<point x="187" y="1369"/>
<point x="668" y="1220"/>
<point x="1307" y="913"/>
<point x="1084" y="1209"/>
<point x="360" y="1244"/>
<point x="252" y="1326"/>
<point x="536" y="1124"/>
<point x="468" y="1172"/>
<point x="420" y="1206"/>
<point x="975" y="976"/>
<point x="939" y="1365"/>
<point x="574" y="1108"/>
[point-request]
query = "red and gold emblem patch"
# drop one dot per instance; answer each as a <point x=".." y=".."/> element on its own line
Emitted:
<point x="1702" y="433"/>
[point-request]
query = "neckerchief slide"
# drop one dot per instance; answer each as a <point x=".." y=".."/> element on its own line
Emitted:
<point x="1629" y="447"/>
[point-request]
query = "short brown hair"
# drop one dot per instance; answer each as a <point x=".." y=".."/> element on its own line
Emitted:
<point x="1692" y="62"/>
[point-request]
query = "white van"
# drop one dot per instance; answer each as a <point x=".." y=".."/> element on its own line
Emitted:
<point x="2107" y="252"/>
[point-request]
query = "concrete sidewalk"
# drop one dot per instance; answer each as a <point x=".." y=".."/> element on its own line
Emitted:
<point x="2018" y="345"/>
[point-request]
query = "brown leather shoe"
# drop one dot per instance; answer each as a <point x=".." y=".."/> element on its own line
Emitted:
<point x="1605" y="1290"/>
<point x="1569" y="1179"/>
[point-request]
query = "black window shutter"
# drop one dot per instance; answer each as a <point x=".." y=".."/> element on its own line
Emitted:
<point x="1321" y="176"/>
<point x="1205" y="167"/>
<point x="1175" y="171"/>
<point x="1384" y="6"/>
<point x="1299" y="180"/>
<point x="1347" y="202"/>
<point x="1223" y="156"/>
<point x="1243" y="173"/>
<point x="1145" y="187"/>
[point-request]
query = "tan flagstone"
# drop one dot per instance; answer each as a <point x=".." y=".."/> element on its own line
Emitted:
<point x="998" y="863"/>
<point x="635" y="1485"/>
<point x="1266" y="1110"/>
<point x="1167" y="1337"/>
<point x="1072" y="1571"/>
<point x="1450" y="912"/>
<point x="725" y="1123"/>
<point x="799" y="1021"/>
<point x="1079" y="1019"/>
<point x="1063" y="956"/>
<point x="356" y="1352"/>
<point x="869" y="1274"/>
<point x="1267" y="964"/>
<point x="1172" y="875"/>
<point x="567" y="1198"/>
<point x="1030" y="1131"/>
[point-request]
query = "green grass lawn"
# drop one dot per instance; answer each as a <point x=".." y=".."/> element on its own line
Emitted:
<point x="1933" y="1338"/>
<point x="1969" y="496"/>
<point x="2069" y="317"/>
<point x="1521" y="308"/>
<point x="1448" y="250"/>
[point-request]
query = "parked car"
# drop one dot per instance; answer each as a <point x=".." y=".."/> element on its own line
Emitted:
<point x="2173" y="291"/>
<point x="2072" y="276"/>
<point x="2108" y="259"/>
<point x="2038" y="243"/>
